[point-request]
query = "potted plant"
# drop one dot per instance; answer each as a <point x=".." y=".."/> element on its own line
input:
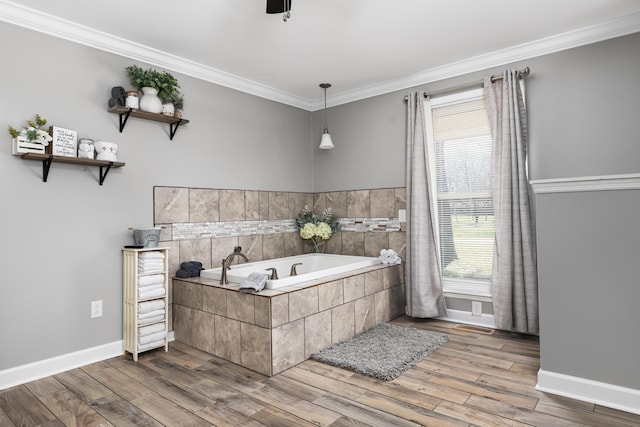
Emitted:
<point x="178" y="103"/>
<point x="155" y="86"/>
<point x="32" y="138"/>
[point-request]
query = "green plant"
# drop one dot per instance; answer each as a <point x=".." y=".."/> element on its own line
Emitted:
<point x="163" y="81"/>
<point x="33" y="131"/>
<point x="178" y="100"/>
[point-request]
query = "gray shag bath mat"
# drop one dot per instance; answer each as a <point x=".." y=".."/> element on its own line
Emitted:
<point x="384" y="352"/>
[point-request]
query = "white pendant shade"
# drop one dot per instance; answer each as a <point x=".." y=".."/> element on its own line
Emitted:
<point x="326" y="143"/>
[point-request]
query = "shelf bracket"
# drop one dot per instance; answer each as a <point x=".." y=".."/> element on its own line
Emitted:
<point x="106" y="171"/>
<point x="173" y="128"/>
<point x="124" y="122"/>
<point x="46" y="165"/>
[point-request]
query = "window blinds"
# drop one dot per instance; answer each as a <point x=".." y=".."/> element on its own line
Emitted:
<point x="463" y="142"/>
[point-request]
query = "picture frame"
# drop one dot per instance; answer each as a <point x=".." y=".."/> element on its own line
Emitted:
<point x="64" y="143"/>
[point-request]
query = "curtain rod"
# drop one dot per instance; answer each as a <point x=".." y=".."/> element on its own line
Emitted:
<point x="521" y="74"/>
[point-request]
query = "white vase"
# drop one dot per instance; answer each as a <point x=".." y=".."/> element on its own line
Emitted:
<point x="149" y="101"/>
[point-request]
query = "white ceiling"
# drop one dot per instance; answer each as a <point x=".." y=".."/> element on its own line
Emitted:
<point x="362" y="47"/>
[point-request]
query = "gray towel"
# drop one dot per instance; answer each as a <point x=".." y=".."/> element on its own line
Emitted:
<point x="254" y="283"/>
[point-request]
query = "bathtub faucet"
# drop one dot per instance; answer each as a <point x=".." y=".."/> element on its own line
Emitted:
<point x="274" y="273"/>
<point x="293" y="269"/>
<point x="226" y="263"/>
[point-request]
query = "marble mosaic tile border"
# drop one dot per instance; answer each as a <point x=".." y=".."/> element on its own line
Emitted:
<point x="208" y="230"/>
<point x="369" y="224"/>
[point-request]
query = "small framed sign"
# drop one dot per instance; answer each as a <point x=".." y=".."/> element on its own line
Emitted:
<point x="65" y="142"/>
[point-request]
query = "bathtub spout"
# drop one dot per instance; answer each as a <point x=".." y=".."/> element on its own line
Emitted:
<point x="293" y="269"/>
<point x="274" y="273"/>
<point x="226" y="263"/>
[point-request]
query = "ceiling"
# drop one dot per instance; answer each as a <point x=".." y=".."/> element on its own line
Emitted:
<point x="362" y="47"/>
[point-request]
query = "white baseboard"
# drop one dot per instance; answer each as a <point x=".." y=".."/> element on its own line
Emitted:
<point x="460" y="316"/>
<point x="44" y="368"/>
<point x="599" y="393"/>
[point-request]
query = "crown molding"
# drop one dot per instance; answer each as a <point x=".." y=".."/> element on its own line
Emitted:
<point x="48" y="24"/>
<point x="51" y="25"/>
<point x="616" y="28"/>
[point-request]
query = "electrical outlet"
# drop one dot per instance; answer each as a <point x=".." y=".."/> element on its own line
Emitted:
<point x="402" y="215"/>
<point x="476" y="308"/>
<point x="96" y="309"/>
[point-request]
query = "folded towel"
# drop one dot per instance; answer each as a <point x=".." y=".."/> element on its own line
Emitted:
<point x="254" y="283"/>
<point x="153" y="337"/>
<point x="150" y="280"/>
<point x="151" y="255"/>
<point x="148" y="306"/>
<point x="151" y="345"/>
<point x="154" y="313"/>
<point x="151" y="329"/>
<point x="151" y="271"/>
<point x="191" y="265"/>
<point x="153" y="293"/>
<point x="151" y="263"/>
<point x="183" y="274"/>
<point x="150" y="320"/>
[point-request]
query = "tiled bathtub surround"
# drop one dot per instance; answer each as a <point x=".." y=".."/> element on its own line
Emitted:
<point x="205" y="224"/>
<point x="274" y="330"/>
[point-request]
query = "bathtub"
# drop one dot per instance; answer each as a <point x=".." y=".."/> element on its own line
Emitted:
<point x="314" y="266"/>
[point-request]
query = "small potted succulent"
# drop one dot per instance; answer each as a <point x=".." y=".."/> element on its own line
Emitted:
<point x="178" y="103"/>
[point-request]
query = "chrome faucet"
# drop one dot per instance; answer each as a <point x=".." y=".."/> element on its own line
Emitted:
<point x="226" y="263"/>
<point x="293" y="269"/>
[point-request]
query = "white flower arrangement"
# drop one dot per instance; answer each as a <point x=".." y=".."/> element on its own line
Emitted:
<point x="317" y="228"/>
<point x="33" y="132"/>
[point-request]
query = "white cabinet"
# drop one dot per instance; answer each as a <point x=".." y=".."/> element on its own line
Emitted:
<point x="145" y="299"/>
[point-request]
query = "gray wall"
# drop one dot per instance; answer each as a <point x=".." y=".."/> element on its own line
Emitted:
<point x="62" y="239"/>
<point x="584" y="119"/>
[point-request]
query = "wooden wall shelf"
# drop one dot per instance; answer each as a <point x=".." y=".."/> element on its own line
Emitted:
<point x="47" y="159"/>
<point x="125" y="113"/>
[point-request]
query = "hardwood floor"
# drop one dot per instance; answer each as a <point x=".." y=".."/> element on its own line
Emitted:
<point x="473" y="379"/>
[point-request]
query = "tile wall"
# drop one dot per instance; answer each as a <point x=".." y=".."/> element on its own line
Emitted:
<point x="205" y="224"/>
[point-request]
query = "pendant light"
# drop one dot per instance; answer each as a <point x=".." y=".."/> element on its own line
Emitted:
<point x="325" y="142"/>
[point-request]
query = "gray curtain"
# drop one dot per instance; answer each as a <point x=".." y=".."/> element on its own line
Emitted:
<point x="424" y="282"/>
<point x="515" y="278"/>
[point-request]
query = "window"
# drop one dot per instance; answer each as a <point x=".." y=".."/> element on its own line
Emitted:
<point x="460" y="149"/>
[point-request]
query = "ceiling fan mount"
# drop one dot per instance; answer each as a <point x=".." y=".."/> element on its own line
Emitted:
<point x="278" y="6"/>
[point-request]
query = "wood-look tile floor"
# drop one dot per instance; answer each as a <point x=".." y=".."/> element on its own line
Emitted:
<point x="472" y="380"/>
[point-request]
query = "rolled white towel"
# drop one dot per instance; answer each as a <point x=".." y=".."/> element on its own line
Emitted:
<point x="148" y="306"/>
<point x="151" y="338"/>
<point x="389" y="256"/>
<point x="151" y="255"/>
<point x="151" y="329"/>
<point x="152" y="319"/>
<point x="150" y="280"/>
<point x="151" y="345"/>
